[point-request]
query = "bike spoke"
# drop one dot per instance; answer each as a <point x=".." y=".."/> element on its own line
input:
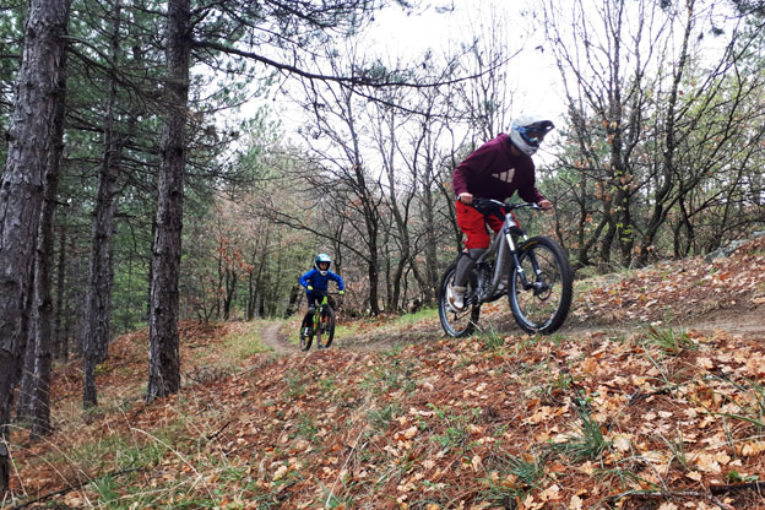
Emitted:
<point x="543" y="304"/>
<point x="539" y="302"/>
<point x="456" y="323"/>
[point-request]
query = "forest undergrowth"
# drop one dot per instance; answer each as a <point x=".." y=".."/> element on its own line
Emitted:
<point x="650" y="397"/>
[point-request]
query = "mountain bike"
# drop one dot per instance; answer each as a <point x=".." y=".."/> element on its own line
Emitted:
<point x="322" y="325"/>
<point x="533" y="272"/>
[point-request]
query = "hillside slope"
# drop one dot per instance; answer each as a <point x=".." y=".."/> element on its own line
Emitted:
<point x="651" y="397"/>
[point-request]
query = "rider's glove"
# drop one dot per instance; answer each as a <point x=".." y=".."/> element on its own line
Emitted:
<point x="309" y="288"/>
<point x="341" y="292"/>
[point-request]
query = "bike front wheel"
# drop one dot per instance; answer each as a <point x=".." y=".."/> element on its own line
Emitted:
<point x="541" y="304"/>
<point x="326" y="329"/>
<point x="456" y="323"/>
<point x="305" y="340"/>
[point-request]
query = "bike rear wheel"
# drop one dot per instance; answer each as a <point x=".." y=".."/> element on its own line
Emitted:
<point x="456" y="323"/>
<point x="326" y="329"/>
<point x="544" y="304"/>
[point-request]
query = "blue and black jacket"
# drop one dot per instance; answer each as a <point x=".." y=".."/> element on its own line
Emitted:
<point x="319" y="282"/>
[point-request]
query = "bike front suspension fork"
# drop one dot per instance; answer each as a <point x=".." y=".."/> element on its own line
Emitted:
<point x="539" y="285"/>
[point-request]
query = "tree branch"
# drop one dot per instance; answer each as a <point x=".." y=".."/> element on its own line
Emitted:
<point x="332" y="78"/>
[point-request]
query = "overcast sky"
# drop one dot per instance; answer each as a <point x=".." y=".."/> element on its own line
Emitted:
<point x="446" y="23"/>
<point x="443" y="24"/>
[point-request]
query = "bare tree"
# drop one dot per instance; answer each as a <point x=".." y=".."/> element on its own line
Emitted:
<point x="487" y="101"/>
<point x="428" y="150"/>
<point x="638" y="92"/>
<point x="603" y="60"/>
<point x="345" y="178"/>
<point x="386" y="123"/>
<point x="702" y="162"/>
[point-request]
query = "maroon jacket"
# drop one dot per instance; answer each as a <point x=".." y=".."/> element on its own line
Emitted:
<point x="492" y="171"/>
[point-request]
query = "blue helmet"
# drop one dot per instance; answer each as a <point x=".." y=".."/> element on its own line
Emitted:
<point x="322" y="257"/>
<point x="527" y="132"/>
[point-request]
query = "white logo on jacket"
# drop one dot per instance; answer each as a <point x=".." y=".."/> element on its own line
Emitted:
<point x="506" y="176"/>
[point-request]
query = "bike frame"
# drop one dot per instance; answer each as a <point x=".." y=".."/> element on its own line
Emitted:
<point x="539" y="298"/>
<point x="505" y="247"/>
<point x="320" y="310"/>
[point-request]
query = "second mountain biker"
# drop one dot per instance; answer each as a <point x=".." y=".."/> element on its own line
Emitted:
<point x="315" y="282"/>
<point x="496" y="170"/>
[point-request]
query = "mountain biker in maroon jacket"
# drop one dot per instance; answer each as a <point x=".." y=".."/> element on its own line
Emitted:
<point x="495" y="170"/>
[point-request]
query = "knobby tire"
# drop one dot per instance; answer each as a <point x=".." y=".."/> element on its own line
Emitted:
<point x="456" y="324"/>
<point x="318" y="333"/>
<point x="305" y="341"/>
<point x="542" y="312"/>
<point x="327" y="327"/>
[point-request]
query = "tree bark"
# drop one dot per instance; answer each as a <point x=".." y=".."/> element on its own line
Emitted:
<point x="32" y="141"/>
<point x="42" y="309"/>
<point x="231" y="280"/>
<point x="26" y="377"/>
<point x="164" y="358"/>
<point x="96" y="330"/>
<point x="60" y="337"/>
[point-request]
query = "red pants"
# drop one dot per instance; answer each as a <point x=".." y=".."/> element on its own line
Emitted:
<point x="473" y="225"/>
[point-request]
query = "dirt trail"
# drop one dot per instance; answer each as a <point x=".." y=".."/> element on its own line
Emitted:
<point x="271" y="337"/>
<point x="743" y="320"/>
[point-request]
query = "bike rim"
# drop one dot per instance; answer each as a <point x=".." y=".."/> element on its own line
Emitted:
<point x="330" y="329"/>
<point x="538" y="307"/>
<point x="456" y="323"/>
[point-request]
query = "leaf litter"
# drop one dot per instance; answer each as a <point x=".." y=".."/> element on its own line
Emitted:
<point x="652" y="416"/>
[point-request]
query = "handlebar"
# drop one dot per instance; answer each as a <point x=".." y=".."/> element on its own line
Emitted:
<point x="479" y="202"/>
<point x="326" y="292"/>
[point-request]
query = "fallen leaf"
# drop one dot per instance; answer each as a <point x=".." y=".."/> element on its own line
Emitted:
<point x="551" y="493"/>
<point x="575" y="503"/>
<point x="280" y="472"/>
<point x="621" y="443"/>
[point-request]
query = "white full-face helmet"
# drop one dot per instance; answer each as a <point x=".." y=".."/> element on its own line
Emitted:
<point x="322" y="263"/>
<point x="528" y="131"/>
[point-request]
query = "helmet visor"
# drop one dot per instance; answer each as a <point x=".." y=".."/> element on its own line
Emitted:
<point x="533" y="134"/>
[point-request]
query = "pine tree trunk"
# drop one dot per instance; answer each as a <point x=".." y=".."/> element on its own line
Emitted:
<point x="164" y="358"/>
<point x="26" y="383"/>
<point x="96" y="330"/>
<point x="60" y="339"/>
<point x="42" y="309"/>
<point x="31" y="142"/>
<point x="76" y="300"/>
